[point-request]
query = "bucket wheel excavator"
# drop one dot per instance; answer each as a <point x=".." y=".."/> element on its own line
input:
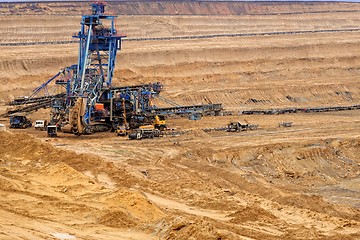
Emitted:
<point x="91" y="82"/>
<point x="88" y="102"/>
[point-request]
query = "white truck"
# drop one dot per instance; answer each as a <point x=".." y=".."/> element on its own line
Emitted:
<point x="40" y="125"/>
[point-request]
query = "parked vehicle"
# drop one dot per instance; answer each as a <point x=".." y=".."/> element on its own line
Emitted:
<point x="19" y="121"/>
<point x="40" y="125"/>
<point x="122" y="130"/>
<point x="144" y="132"/>
<point x="237" y="127"/>
<point x="52" y="130"/>
<point x="160" y="122"/>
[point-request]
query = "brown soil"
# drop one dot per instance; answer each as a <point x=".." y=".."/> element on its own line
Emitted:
<point x="271" y="183"/>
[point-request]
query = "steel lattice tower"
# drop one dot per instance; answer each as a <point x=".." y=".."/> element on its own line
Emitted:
<point x="98" y="45"/>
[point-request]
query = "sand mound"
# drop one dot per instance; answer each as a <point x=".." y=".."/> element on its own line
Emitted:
<point x="184" y="228"/>
<point x="118" y="219"/>
<point x="135" y="203"/>
<point x="252" y="213"/>
<point x="59" y="182"/>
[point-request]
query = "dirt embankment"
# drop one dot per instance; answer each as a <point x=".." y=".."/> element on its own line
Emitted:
<point x="179" y="8"/>
<point x="251" y="72"/>
<point x="42" y="186"/>
<point x="188" y="190"/>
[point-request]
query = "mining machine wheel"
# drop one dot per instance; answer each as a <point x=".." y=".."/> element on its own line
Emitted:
<point x="76" y="114"/>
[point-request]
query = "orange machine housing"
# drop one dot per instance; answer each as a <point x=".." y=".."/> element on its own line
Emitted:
<point x="99" y="107"/>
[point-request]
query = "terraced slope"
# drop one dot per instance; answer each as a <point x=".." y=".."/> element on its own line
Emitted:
<point x="303" y="69"/>
<point x="177" y="7"/>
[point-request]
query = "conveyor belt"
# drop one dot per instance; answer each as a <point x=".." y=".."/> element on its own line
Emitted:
<point x="295" y="110"/>
<point x="177" y="110"/>
<point x="28" y="108"/>
<point x="23" y="101"/>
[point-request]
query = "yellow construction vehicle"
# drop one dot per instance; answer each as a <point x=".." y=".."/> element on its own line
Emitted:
<point x="160" y="122"/>
<point x="123" y="130"/>
<point x="148" y="127"/>
<point x="146" y="131"/>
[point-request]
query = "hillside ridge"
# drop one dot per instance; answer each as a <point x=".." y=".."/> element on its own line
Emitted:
<point x="178" y="8"/>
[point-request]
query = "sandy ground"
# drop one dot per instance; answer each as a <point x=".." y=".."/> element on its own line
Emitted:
<point x="269" y="183"/>
<point x="300" y="182"/>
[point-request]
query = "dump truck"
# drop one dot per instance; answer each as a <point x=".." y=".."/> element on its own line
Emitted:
<point x="19" y="120"/>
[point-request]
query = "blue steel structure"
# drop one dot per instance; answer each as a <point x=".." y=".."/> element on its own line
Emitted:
<point x="98" y="45"/>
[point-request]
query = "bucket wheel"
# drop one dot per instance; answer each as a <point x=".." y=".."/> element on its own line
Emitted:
<point x="76" y="123"/>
